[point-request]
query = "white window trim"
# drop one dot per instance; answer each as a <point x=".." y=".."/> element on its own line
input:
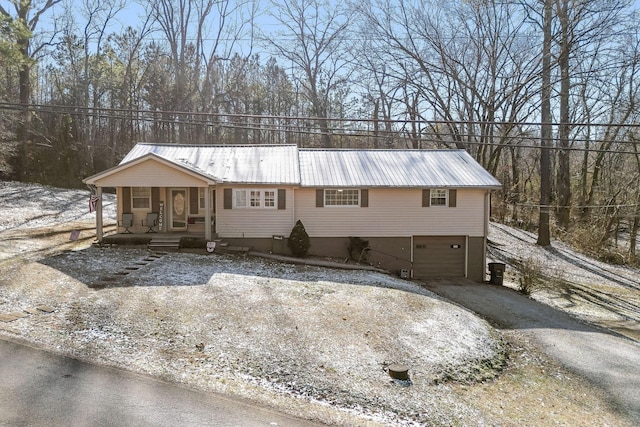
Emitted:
<point x="247" y="198"/>
<point x="201" y="198"/>
<point x="342" y="206"/>
<point x="148" y="198"/>
<point x="446" y="197"/>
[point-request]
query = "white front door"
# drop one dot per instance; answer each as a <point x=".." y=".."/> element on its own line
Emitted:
<point x="178" y="209"/>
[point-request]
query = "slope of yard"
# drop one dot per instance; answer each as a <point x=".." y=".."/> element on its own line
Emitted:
<point x="599" y="293"/>
<point x="309" y="341"/>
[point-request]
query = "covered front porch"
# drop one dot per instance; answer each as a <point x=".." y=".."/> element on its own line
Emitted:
<point x="156" y="197"/>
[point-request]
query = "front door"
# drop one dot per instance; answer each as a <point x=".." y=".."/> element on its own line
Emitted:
<point x="178" y="208"/>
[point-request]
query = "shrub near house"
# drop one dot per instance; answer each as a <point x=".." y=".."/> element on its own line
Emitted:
<point x="424" y="211"/>
<point x="299" y="240"/>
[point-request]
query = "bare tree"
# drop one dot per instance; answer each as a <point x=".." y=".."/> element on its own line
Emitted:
<point x="197" y="34"/>
<point x="544" y="233"/>
<point x="465" y="65"/>
<point x="26" y="16"/>
<point x="581" y="27"/>
<point x="312" y="40"/>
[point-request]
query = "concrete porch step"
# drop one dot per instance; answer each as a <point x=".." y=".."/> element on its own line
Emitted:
<point x="164" y="243"/>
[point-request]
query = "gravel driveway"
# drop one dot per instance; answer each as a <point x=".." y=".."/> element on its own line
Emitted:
<point x="609" y="361"/>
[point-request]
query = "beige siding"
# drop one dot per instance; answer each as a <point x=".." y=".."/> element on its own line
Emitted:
<point x="253" y="223"/>
<point x="140" y="214"/>
<point x="393" y="213"/>
<point x="150" y="173"/>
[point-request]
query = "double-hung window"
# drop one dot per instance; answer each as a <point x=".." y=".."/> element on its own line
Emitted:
<point x="270" y="199"/>
<point x="341" y="197"/>
<point x="439" y="197"/>
<point x="255" y="199"/>
<point x="140" y="197"/>
<point x="201" y="191"/>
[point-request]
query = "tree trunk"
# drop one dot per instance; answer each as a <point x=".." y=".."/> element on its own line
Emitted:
<point x="24" y="123"/>
<point x="544" y="234"/>
<point x="564" y="174"/>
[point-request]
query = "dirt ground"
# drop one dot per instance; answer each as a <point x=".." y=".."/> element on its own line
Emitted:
<point x="308" y="341"/>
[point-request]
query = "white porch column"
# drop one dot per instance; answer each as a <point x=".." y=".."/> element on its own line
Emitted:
<point x="207" y="214"/>
<point x="99" y="231"/>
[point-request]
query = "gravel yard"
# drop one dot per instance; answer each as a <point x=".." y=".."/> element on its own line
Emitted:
<point x="310" y="341"/>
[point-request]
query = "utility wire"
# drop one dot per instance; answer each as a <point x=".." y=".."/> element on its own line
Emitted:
<point x="299" y="125"/>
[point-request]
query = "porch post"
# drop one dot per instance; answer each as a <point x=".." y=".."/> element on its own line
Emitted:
<point x="207" y="214"/>
<point x="99" y="231"/>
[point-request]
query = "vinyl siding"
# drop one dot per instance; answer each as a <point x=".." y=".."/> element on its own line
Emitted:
<point x="393" y="213"/>
<point x="157" y="196"/>
<point x="254" y="223"/>
<point x="150" y="173"/>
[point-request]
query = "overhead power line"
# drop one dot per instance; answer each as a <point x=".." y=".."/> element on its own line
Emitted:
<point x="300" y="125"/>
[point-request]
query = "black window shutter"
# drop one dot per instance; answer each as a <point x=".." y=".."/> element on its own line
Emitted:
<point x="228" y="198"/>
<point x="426" y="198"/>
<point x="155" y="199"/>
<point x="364" y="198"/>
<point x="453" y="196"/>
<point x="194" y="200"/>
<point x="282" y="198"/>
<point x="126" y="199"/>
<point x="319" y="198"/>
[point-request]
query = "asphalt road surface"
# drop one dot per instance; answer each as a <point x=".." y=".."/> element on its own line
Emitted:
<point x="39" y="388"/>
<point x="607" y="360"/>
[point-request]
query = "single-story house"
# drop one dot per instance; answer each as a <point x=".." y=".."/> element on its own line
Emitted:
<point x="422" y="211"/>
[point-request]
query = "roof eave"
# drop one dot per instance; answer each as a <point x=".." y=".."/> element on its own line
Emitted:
<point x="122" y="166"/>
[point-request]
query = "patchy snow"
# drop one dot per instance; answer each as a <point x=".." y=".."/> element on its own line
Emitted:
<point x="310" y="341"/>
<point x="34" y="205"/>
<point x="601" y="293"/>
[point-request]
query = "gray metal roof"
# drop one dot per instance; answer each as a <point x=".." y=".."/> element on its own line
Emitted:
<point x="392" y="168"/>
<point x="286" y="164"/>
<point x="251" y="164"/>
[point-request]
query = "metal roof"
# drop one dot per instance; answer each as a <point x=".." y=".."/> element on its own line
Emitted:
<point x="288" y="165"/>
<point x="251" y="164"/>
<point x="392" y="168"/>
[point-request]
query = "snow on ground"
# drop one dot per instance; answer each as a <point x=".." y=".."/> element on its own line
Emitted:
<point x="601" y="293"/>
<point x="559" y="261"/>
<point x="310" y="341"/>
<point x="35" y="205"/>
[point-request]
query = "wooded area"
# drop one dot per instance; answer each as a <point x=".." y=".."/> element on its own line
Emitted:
<point x="541" y="92"/>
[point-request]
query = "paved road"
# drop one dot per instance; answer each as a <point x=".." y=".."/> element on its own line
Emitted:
<point x="609" y="361"/>
<point x="39" y="388"/>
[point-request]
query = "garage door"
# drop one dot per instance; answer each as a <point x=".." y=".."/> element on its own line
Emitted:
<point x="438" y="256"/>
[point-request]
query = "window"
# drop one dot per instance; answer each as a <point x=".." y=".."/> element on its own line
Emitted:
<point x="255" y="199"/>
<point x="240" y="199"/>
<point x="141" y="197"/>
<point x="270" y="199"/>
<point x="201" y="198"/>
<point x="438" y="197"/>
<point x="342" y="197"/>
